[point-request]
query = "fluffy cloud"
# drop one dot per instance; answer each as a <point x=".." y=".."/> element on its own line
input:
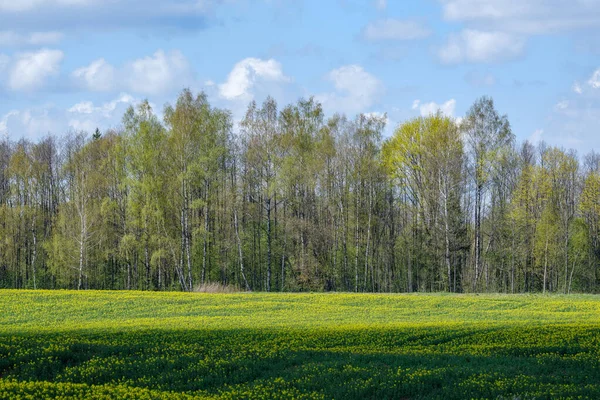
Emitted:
<point x="29" y="71"/>
<point x="159" y="73"/>
<point x="589" y="84"/>
<point x="86" y="116"/>
<point x="481" y="47"/>
<point x="11" y="38"/>
<point x="32" y="123"/>
<point x="106" y="109"/>
<point x="98" y="76"/>
<point x="356" y="90"/>
<point x="85" y="107"/>
<point x="507" y="25"/>
<point x="248" y="73"/>
<point x="594" y="81"/>
<point x="425" y="109"/>
<point x="4" y="122"/>
<point x="395" y="29"/>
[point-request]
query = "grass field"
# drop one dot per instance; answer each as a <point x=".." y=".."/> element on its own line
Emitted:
<point x="134" y="345"/>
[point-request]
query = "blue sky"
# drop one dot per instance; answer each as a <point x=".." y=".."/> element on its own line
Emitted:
<point x="69" y="65"/>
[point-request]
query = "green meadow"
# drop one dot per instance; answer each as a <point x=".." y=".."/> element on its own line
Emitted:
<point x="146" y="345"/>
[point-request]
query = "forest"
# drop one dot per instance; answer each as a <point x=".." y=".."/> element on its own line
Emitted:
<point x="291" y="200"/>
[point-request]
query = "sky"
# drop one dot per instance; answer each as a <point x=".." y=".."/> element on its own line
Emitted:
<point x="74" y="65"/>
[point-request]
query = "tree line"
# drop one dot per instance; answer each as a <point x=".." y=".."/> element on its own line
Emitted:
<point x="291" y="200"/>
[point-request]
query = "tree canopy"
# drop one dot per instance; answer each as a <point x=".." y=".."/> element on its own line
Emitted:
<point x="290" y="199"/>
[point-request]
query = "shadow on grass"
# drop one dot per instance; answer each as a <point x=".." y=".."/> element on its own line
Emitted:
<point x="544" y="362"/>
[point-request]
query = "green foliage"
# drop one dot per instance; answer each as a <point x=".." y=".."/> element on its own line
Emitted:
<point x="425" y="157"/>
<point x="100" y="345"/>
<point x="294" y="200"/>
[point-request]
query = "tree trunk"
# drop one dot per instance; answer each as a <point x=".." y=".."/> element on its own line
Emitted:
<point x="205" y="244"/>
<point x="477" y="234"/>
<point x="268" y="201"/>
<point x="146" y="253"/>
<point x="239" y="246"/>
<point x="34" y="256"/>
<point x="545" y="263"/>
<point x="566" y="257"/>
<point x="447" y="240"/>
<point x="512" y="267"/>
<point x="571" y="278"/>
<point x="370" y="213"/>
<point x="181" y="268"/>
<point x="283" y="261"/>
<point x="81" y="250"/>
<point x="186" y="236"/>
<point x="356" y="248"/>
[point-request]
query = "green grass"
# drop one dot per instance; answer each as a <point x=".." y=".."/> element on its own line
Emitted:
<point x="136" y="345"/>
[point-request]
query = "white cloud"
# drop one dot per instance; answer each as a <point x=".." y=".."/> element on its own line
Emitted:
<point x="573" y="121"/>
<point x="4" y="122"/>
<point x="461" y="10"/>
<point x="562" y="105"/>
<point x="29" y="71"/>
<point x="248" y="73"/>
<point x="106" y="109"/>
<point x="511" y="22"/>
<point x="481" y="47"/>
<point x="576" y="126"/>
<point x="159" y="73"/>
<point x="395" y="29"/>
<point x="356" y="90"/>
<point x="35" y="122"/>
<point x="86" y="125"/>
<point x="123" y="98"/>
<point x="85" y="107"/>
<point x="524" y="17"/>
<point x="86" y="116"/>
<point x="32" y="123"/>
<point x="425" y="109"/>
<point x="594" y="81"/>
<point x="98" y="76"/>
<point x="536" y="136"/>
<point x="348" y="78"/>
<point x="11" y="38"/>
